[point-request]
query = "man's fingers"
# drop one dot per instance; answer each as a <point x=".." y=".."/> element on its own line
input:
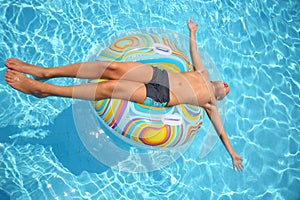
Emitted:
<point x="190" y="20"/>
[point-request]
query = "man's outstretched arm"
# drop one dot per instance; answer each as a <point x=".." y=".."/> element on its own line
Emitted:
<point x="196" y="59"/>
<point x="213" y="114"/>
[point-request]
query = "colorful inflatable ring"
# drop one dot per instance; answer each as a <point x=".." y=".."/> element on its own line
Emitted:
<point x="141" y="125"/>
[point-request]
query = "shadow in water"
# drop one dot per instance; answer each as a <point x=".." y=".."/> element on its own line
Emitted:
<point x="65" y="143"/>
<point x="3" y="195"/>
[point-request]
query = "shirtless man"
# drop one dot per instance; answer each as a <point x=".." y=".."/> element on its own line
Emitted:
<point x="132" y="81"/>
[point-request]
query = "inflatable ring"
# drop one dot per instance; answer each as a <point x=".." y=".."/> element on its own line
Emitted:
<point x="141" y="125"/>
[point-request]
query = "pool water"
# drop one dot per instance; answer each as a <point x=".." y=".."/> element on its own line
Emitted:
<point x="256" y="46"/>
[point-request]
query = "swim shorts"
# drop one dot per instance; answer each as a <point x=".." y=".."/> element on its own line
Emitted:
<point x="157" y="90"/>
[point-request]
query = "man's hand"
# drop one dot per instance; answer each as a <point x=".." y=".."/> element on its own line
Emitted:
<point x="237" y="162"/>
<point x="193" y="28"/>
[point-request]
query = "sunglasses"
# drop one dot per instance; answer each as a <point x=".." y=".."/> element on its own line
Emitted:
<point x="225" y="85"/>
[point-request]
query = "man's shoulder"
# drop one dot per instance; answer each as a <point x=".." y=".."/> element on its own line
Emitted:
<point x="202" y="72"/>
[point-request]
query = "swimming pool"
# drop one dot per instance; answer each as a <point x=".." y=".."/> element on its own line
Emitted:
<point x="255" y="44"/>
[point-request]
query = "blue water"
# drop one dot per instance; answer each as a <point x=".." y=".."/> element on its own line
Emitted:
<point x="256" y="46"/>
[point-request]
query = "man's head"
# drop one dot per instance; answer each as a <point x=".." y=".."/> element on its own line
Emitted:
<point x="221" y="89"/>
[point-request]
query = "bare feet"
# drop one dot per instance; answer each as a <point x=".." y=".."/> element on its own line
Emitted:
<point x="24" y="84"/>
<point x="20" y="66"/>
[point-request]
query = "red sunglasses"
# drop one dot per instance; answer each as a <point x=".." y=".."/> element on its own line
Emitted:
<point x="225" y="85"/>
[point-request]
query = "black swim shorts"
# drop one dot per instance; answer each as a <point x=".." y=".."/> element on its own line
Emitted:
<point x="158" y="93"/>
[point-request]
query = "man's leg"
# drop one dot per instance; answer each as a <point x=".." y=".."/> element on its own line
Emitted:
<point x="120" y="89"/>
<point x="133" y="71"/>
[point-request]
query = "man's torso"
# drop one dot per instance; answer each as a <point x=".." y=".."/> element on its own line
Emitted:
<point x="190" y="87"/>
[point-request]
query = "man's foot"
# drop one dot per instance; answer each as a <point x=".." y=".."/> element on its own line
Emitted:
<point x="20" y="66"/>
<point x="24" y="84"/>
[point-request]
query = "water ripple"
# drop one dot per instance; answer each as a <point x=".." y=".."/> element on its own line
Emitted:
<point x="256" y="45"/>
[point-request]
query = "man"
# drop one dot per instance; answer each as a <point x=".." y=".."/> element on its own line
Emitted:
<point x="132" y="81"/>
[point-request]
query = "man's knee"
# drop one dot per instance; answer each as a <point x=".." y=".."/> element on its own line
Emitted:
<point x="114" y="70"/>
<point x="113" y="66"/>
<point x="127" y="70"/>
<point x="105" y="89"/>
